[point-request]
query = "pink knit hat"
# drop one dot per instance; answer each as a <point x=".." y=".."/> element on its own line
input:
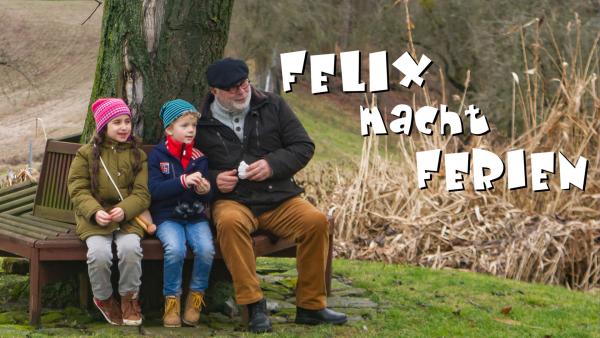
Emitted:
<point x="106" y="109"/>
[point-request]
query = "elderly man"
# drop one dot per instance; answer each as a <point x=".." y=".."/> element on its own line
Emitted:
<point x="241" y="124"/>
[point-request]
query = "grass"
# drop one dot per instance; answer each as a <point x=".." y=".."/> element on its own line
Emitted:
<point x="435" y="303"/>
<point x="413" y="302"/>
<point x="335" y="134"/>
<point x="423" y="302"/>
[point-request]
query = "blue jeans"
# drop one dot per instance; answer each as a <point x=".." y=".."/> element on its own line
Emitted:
<point x="173" y="235"/>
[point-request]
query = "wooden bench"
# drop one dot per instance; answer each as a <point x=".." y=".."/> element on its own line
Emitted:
<point x="42" y="229"/>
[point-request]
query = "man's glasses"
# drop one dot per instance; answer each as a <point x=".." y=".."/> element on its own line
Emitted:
<point x="243" y="85"/>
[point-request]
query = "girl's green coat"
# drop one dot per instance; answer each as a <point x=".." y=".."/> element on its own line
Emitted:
<point x="119" y="160"/>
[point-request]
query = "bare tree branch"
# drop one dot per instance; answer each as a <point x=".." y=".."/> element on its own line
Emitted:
<point x="95" y="9"/>
<point x="10" y="65"/>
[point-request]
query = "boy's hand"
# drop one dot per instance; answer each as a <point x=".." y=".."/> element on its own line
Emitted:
<point x="203" y="187"/>
<point x="103" y="218"/>
<point x="117" y="214"/>
<point x="193" y="180"/>
<point x="227" y="180"/>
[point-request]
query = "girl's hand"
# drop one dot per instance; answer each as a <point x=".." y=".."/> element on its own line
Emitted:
<point x="103" y="218"/>
<point x="117" y="214"/>
<point x="203" y="187"/>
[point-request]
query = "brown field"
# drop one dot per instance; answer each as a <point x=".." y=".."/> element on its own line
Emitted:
<point x="47" y="63"/>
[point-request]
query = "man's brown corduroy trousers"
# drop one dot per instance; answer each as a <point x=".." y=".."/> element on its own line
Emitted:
<point x="295" y="219"/>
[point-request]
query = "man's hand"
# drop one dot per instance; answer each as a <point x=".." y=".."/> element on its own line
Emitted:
<point x="117" y="214"/>
<point x="227" y="180"/>
<point x="103" y="218"/>
<point x="259" y="171"/>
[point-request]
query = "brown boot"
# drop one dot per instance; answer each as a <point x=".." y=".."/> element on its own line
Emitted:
<point x="110" y="309"/>
<point x="130" y="306"/>
<point x="193" y="306"/>
<point x="172" y="317"/>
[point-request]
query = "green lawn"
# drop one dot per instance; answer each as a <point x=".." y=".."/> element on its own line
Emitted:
<point x="421" y="302"/>
<point x="450" y="303"/>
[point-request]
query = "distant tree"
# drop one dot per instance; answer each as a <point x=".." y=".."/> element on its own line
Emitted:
<point x="263" y="29"/>
<point x="483" y="37"/>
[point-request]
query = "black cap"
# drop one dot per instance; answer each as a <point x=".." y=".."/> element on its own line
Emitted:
<point x="226" y="72"/>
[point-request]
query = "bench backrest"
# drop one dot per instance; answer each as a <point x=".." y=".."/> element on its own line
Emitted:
<point x="52" y="197"/>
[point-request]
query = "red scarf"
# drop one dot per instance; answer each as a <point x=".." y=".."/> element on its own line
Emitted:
<point x="180" y="150"/>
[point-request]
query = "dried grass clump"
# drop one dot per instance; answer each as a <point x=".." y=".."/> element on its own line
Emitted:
<point x="23" y="175"/>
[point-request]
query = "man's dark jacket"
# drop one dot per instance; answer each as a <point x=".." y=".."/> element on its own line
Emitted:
<point x="271" y="131"/>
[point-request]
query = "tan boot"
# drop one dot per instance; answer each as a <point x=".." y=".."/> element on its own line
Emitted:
<point x="172" y="317"/>
<point x="193" y="306"/>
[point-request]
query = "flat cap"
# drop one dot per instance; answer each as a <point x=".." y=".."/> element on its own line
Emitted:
<point x="226" y="72"/>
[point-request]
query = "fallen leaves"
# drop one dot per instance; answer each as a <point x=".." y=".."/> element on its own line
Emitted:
<point x="506" y="310"/>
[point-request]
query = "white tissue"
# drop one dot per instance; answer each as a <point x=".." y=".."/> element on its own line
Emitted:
<point x="242" y="170"/>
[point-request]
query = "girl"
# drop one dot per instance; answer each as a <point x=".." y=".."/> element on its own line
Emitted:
<point x="179" y="195"/>
<point x="104" y="215"/>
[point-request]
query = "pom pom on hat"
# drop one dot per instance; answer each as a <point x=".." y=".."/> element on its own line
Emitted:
<point x="106" y="109"/>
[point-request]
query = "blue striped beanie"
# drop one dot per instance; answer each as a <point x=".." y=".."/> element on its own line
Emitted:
<point x="173" y="109"/>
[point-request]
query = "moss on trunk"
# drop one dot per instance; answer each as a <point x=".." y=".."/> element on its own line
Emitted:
<point x="155" y="50"/>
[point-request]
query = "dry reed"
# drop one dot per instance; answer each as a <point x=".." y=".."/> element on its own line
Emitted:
<point x="550" y="237"/>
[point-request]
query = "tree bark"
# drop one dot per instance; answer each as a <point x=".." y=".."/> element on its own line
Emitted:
<point x="152" y="51"/>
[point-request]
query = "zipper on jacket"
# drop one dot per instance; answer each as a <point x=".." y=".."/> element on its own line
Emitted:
<point x="172" y="171"/>
<point x="257" y="135"/>
<point x="224" y="144"/>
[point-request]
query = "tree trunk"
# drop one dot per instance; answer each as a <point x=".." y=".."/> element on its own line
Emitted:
<point x="152" y="51"/>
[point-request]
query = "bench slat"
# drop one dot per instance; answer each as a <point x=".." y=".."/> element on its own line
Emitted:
<point x="36" y="223"/>
<point x="60" y="242"/>
<point x="51" y="213"/>
<point x="17" y="194"/>
<point x="11" y="236"/>
<point x="20" y="231"/>
<point x="66" y="226"/>
<point x="16" y="187"/>
<point x="17" y="203"/>
<point x="20" y="210"/>
<point x="263" y="245"/>
<point x="65" y="199"/>
<point x="33" y="228"/>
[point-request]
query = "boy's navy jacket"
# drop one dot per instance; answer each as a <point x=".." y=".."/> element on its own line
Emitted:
<point x="166" y="185"/>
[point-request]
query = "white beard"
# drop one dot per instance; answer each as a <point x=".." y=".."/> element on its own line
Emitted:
<point x="237" y="107"/>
